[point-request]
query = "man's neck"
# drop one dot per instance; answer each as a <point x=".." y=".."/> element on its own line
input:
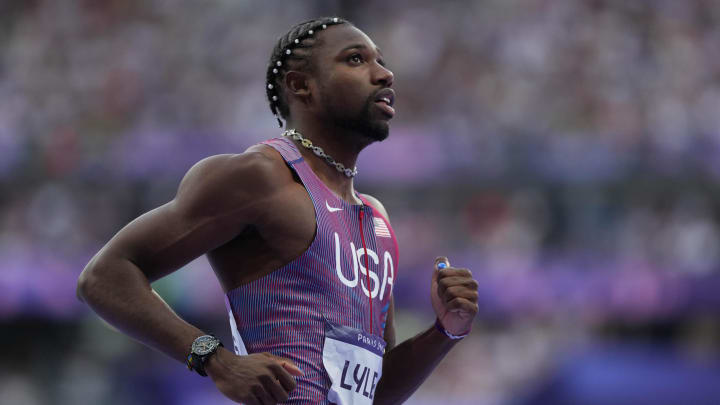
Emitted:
<point x="340" y="147"/>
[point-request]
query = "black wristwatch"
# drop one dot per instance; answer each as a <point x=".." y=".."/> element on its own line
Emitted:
<point x="200" y="351"/>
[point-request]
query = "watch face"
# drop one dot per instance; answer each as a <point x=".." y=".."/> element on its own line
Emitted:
<point x="204" y="345"/>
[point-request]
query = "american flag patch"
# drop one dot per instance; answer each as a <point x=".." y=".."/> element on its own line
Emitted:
<point x="381" y="228"/>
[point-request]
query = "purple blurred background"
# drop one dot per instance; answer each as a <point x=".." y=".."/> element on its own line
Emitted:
<point x="567" y="152"/>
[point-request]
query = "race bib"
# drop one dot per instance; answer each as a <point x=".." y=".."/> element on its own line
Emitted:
<point x="353" y="359"/>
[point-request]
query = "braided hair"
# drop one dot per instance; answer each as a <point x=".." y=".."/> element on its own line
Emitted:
<point x="292" y="52"/>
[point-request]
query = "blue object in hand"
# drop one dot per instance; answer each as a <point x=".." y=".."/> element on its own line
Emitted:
<point x="441" y="265"/>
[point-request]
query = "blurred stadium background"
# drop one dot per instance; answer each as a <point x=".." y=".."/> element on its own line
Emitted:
<point x="568" y="152"/>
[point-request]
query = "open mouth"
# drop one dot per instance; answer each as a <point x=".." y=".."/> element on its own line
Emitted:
<point x="385" y="107"/>
<point x="385" y="100"/>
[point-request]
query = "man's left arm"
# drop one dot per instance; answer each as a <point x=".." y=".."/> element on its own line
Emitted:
<point x="454" y="297"/>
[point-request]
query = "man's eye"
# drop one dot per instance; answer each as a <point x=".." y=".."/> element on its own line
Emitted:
<point x="356" y="58"/>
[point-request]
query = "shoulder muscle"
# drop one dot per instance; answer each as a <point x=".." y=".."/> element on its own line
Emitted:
<point x="225" y="185"/>
<point x="216" y="199"/>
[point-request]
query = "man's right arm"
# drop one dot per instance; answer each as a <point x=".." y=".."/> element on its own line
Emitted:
<point x="218" y="197"/>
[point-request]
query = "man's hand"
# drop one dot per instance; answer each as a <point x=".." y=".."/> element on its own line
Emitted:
<point x="454" y="297"/>
<point x="255" y="379"/>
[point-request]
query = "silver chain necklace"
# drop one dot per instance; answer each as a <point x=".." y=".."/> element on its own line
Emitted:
<point x="292" y="133"/>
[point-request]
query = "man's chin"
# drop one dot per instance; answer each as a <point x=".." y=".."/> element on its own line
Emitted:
<point x="380" y="131"/>
<point x="374" y="130"/>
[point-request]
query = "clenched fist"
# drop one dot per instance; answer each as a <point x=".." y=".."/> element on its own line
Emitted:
<point x="255" y="379"/>
<point x="454" y="295"/>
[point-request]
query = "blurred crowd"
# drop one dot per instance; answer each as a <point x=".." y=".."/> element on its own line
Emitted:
<point x="567" y="152"/>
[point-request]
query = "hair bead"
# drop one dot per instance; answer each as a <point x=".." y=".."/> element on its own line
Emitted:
<point x="293" y="41"/>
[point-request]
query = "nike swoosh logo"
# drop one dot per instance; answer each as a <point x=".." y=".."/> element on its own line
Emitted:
<point x="332" y="209"/>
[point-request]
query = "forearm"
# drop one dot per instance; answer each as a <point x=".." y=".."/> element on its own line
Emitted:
<point x="119" y="292"/>
<point x="407" y="365"/>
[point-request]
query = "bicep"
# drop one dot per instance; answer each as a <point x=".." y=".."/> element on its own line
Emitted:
<point x="166" y="238"/>
<point x="215" y="201"/>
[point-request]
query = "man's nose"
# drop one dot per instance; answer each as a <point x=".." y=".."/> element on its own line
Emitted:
<point x="384" y="76"/>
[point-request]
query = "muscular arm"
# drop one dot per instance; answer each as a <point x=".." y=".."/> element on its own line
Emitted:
<point x="407" y="365"/>
<point x="217" y="198"/>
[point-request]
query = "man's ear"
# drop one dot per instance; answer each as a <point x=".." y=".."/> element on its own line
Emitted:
<point x="298" y="84"/>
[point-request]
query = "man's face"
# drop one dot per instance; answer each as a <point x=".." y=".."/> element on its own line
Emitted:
<point x="353" y="86"/>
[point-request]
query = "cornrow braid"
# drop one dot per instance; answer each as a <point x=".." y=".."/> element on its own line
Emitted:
<point x="292" y="51"/>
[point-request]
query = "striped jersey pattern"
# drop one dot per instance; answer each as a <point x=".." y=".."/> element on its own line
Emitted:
<point x="284" y="312"/>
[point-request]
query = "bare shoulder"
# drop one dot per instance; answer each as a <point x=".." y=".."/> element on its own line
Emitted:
<point x="377" y="205"/>
<point x="226" y="180"/>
